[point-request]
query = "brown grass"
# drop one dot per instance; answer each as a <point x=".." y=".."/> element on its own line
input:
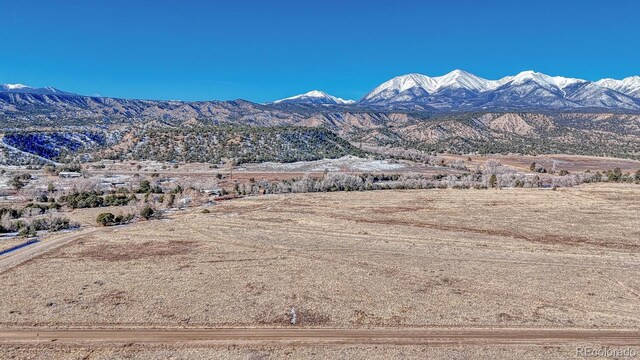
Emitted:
<point x="145" y="250"/>
<point x="525" y="257"/>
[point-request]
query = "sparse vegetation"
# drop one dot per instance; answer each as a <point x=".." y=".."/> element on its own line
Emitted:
<point x="109" y="219"/>
<point x="493" y="180"/>
<point x="136" y="272"/>
<point x="149" y="213"/>
<point x="92" y="199"/>
<point x="210" y="144"/>
<point x="19" y="181"/>
<point x="490" y="175"/>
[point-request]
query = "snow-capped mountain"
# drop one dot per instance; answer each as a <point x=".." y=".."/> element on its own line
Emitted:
<point x="526" y="90"/>
<point x="628" y="86"/>
<point x="457" y="91"/>
<point x="314" y="97"/>
<point x="401" y="85"/>
<point x="24" y="89"/>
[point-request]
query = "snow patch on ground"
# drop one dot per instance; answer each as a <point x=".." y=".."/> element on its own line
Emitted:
<point x="346" y="164"/>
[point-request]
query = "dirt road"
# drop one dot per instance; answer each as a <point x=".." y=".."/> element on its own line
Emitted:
<point x="17" y="257"/>
<point x="433" y="336"/>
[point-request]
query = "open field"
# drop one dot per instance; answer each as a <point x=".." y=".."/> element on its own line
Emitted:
<point x="280" y="351"/>
<point x="525" y="258"/>
<point x="402" y="258"/>
<point x="570" y="163"/>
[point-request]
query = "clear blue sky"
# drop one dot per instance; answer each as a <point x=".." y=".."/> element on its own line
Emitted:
<point x="265" y="50"/>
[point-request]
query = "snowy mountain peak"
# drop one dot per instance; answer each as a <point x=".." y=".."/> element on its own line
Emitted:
<point x="558" y="82"/>
<point x="456" y="79"/>
<point x="25" y="89"/>
<point x="314" y="97"/>
<point x="403" y="83"/>
<point x="528" y="89"/>
<point x="14" y="86"/>
<point x="316" y="93"/>
<point x="629" y="86"/>
<point x="462" y="79"/>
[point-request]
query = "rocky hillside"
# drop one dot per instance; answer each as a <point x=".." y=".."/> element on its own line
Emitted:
<point x="208" y="144"/>
<point x="62" y="127"/>
<point x="526" y="133"/>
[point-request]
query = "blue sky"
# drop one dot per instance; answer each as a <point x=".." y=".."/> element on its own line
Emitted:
<point x="265" y="50"/>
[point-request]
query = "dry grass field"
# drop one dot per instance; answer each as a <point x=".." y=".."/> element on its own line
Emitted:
<point x="98" y="352"/>
<point x="424" y="258"/>
<point x="572" y="163"/>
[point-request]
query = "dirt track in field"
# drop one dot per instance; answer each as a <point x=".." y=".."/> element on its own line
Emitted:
<point x="437" y="336"/>
<point x="18" y="257"/>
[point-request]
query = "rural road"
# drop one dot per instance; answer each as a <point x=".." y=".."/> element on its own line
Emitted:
<point x="17" y="257"/>
<point x="433" y="336"/>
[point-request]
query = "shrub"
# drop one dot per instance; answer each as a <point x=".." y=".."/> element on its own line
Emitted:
<point x="108" y="219"/>
<point x="16" y="183"/>
<point x="51" y="170"/>
<point x="37" y="209"/>
<point x="13" y="213"/>
<point x="123" y="219"/>
<point x="118" y="200"/>
<point x="27" y="231"/>
<point x="58" y="224"/>
<point x="171" y="201"/>
<point x="493" y="180"/>
<point x="71" y="168"/>
<point x="148" y="213"/>
<point x="105" y="219"/>
<point x="615" y="175"/>
<point x="39" y="224"/>
<point x="85" y="199"/>
<point x="54" y="205"/>
<point x="144" y="187"/>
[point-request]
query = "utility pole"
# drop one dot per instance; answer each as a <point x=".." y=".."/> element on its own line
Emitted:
<point x="230" y="162"/>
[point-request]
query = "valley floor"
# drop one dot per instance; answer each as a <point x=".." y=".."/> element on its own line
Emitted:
<point x="423" y="259"/>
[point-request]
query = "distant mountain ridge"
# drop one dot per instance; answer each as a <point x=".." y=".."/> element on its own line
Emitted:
<point x="455" y="92"/>
<point x="314" y="97"/>
<point x="24" y="89"/>
<point x="629" y="86"/>
<point x="529" y="90"/>
<point x="463" y="91"/>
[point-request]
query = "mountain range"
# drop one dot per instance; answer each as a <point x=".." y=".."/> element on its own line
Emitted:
<point x="455" y="92"/>
<point x="459" y="112"/>
<point x="461" y="90"/>
<point x="24" y="89"/>
<point x="529" y="113"/>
